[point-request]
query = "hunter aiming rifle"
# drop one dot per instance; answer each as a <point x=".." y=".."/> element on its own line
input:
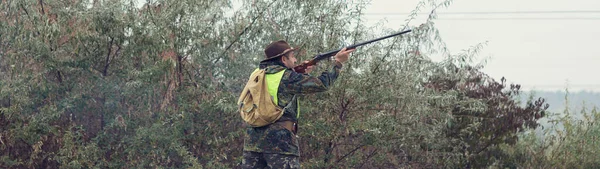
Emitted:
<point x="302" y="67"/>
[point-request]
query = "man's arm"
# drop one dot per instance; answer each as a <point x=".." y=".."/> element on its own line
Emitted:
<point x="299" y="83"/>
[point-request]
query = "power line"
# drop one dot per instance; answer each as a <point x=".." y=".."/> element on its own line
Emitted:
<point x="565" y="85"/>
<point x="395" y="16"/>
<point x="529" y="18"/>
<point x="511" y="18"/>
<point x="492" y="13"/>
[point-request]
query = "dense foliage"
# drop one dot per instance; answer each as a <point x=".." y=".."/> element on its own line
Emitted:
<point x="109" y="84"/>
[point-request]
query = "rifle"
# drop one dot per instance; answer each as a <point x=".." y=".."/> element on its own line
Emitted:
<point x="302" y="67"/>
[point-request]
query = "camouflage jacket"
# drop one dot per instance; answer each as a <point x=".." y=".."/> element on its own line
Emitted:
<point x="275" y="138"/>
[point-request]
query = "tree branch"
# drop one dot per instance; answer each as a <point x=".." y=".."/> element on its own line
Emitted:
<point x="190" y="74"/>
<point x="351" y="152"/>
<point x="107" y="61"/>
<point x="116" y="53"/>
<point x="247" y="27"/>
<point x="277" y="26"/>
<point x="59" y="76"/>
<point x="487" y="145"/>
<point x="368" y="157"/>
<point x="42" y="6"/>
<point x="24" y="9"/>
<point x="180" y="69"/>
<point x="345" y="102"/>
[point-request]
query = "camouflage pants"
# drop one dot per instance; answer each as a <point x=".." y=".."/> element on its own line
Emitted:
<point x="267" y="160"/>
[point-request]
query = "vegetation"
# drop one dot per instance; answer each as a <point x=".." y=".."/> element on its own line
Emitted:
<point x="569" y="142"/>
<point x="109" y="84"/>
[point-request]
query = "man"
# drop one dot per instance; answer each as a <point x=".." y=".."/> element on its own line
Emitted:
<point x="276" y="145"/>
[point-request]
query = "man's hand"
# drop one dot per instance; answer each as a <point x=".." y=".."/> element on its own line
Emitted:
<point x="308" y="68"/>
<point x="342" y="55"/>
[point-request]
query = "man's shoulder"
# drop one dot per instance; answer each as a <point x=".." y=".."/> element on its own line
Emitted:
<point x="291" y="74"/>
<point x="272" y="69"/>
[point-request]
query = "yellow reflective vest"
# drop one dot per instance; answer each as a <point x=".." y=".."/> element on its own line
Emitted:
<point x="273" y="81"/>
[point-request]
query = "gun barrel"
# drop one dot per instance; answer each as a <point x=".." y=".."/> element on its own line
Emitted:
<point x="378" y="39"/>
<point x="301" y="68"/>
<point x="333" y="52"/>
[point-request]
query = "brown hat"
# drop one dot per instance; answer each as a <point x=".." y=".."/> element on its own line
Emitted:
<point x="277" y="48"/>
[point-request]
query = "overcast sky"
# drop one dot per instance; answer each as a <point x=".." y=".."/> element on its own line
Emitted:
<point x="541" y="50"/>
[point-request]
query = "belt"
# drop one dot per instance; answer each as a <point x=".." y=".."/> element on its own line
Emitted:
<point x="291" y="126"/>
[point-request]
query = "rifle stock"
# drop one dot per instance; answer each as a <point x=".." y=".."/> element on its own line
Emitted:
<point x="302" y="67"/>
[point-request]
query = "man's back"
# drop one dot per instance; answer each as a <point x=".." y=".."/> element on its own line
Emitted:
<point x="276" y="145"/>
<point x="277" y="138"/>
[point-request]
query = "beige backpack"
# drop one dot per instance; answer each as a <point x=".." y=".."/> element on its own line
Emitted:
<point x="256" y="105"/>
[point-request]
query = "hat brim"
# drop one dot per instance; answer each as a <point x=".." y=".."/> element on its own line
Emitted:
<point x="281" y="54"/>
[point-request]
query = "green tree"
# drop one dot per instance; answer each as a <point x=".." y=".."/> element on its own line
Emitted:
<point x="108" y="84"/>
<point x="483" y="114"/>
